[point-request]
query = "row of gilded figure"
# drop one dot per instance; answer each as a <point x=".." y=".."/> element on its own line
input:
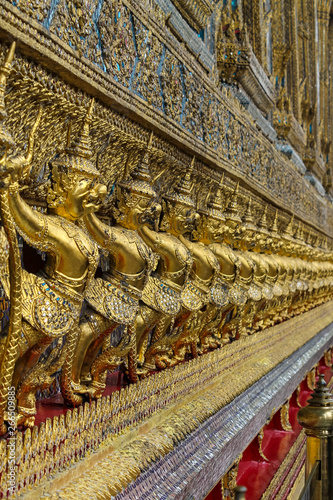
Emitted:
<point x="180" y="293"/>
<point x="162" y="289"/>
<point x="184" y="291"/>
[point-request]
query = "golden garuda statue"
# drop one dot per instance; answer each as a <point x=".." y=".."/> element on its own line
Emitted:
<point x="48" y="303"/>
<point x="181" y="279"/>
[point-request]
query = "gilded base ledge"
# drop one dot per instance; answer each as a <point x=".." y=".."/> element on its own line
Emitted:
<point x="298" y="485"/>
<point x="217" y="418"/>
<point x="284" y="480"/>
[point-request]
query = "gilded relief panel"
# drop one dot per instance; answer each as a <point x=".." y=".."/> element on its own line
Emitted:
<point x="248" y="148"/>
<point x="193" y="99"/>
<point x="187" y="262"/>
<point x="172" y="85"/>
<point x="223" y="117"/>
<point x="150" y="53"/>
<point x="115" y="28"/>
<point x="234" y="139"/>
<point x="40" y="11"/>
<point x="164" y="297"/>
<point x="210" y="120"/>
<point x="74" y="23"/>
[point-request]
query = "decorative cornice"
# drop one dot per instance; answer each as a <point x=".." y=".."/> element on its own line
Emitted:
<point x="196" y="12"/>
<point x="184" y="33"/>
<point x="257" y="84"/>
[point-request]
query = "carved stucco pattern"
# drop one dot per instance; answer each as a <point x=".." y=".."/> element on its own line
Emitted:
<point x="74" y="23"/>
<point x="223" y="116"/>
<point x="234" y="139"/>
<point x="36" y="10"/>
<point x="193" y="98"/>
<point x="210" y="120"/>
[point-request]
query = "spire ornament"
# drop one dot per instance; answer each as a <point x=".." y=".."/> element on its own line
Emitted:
<point x="140" y="180"/>
<point x="289" y="229"/>
<point x="248" y="218"/>
<point x="275" y="227"/>
<point x="232" y="212"/>
<point x="214" y="203"/>
<point x="309" y="239"/>
<point x="298" y="234"/>
<point x="262" y="224"/>
<point x="183" y="189"/>
<point x="77" y="157"/>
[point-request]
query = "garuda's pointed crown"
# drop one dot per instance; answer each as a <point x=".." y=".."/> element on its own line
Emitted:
<point x="232" y="212"/>
<point x="289" y="233"/>
<point x="275" y="228"/>
<point x="214" y="206"/>
<point x="183" y="189"/>
<point x="140" y="180"/>
<point x="248" y="219"/>
<point x="263" y="224"/>
<point x="77" y="156"/>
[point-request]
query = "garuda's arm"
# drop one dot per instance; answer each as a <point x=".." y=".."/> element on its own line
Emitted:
<point x="31" y="224"/>
<point x="151" y="238"/>
<point x="105" y="236"/>
<point x="189" y="245"/>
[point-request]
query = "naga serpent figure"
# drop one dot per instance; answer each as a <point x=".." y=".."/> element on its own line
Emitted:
<point x="52" y="300"/>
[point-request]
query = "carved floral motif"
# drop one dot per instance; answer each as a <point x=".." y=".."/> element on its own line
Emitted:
<point x="193" y="98"/>
<point x="234" y="138"/>
<point x="210" y="120"/>
<point x="36" y="10"/>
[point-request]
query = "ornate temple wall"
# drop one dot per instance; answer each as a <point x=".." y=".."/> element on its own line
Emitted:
<point x="166" y="237"/>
